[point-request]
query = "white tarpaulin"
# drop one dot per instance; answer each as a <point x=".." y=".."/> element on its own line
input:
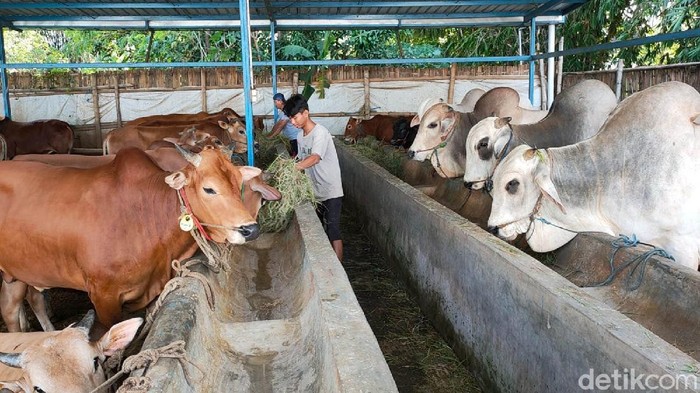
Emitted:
<point x="395" y="96"/>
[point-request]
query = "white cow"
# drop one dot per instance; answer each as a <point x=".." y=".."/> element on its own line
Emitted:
<point x="443" y="131"/>
<point x="638" y="176"/>
<point x="66" y="361"/>
<point x="577" y="114"/>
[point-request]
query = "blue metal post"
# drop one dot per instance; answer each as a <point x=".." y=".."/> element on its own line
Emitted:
<point x="274" y="70"/>
<point x="3" y="77"/>
<point x="247" y="68"/>
<point x="531" y="71"/>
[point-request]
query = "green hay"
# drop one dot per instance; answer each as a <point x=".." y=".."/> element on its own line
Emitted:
<point x="296" y="190"/>
<point x="267" y="149"/>
<point x="385" y="156"/>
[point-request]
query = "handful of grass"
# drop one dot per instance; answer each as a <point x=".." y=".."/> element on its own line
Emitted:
<point x="296" y="190"/>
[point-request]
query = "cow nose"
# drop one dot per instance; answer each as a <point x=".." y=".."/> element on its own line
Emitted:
<point x="411" y="154"/>
<point x="249" y="232"/>
<point x="493" y="230"/>
<point x="468" y="184"/>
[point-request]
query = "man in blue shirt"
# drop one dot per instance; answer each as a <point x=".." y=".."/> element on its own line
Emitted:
<point x="284" y="125"/>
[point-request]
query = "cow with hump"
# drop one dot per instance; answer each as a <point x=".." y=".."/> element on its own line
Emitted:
<point x="113" y="230"/>
<point x="637" y="176"/>
<point x="577" y="114"/>
<point x="67" y="361"/>
<point x="442" y="130"/>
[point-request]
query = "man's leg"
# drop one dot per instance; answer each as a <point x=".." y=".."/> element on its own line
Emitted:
<point x="332" y="212"/>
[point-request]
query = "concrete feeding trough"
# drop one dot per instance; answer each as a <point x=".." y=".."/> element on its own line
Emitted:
<point x="517" y="323"/>
<point x="284" y="319"/>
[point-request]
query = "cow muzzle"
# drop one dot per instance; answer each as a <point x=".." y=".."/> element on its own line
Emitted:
<point x="249" y="232"/>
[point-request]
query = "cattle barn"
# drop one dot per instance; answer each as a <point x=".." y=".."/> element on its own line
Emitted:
<point x="276" y="311"/>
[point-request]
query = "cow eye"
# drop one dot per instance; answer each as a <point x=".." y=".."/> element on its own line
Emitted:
<point x="483" y="143"/>
<point x="512" y="186"/>
<point x="38" y="389"/>
<point x="209" y="191"/>
<point x="432" y="125"/>
<point x="96" y="363"/>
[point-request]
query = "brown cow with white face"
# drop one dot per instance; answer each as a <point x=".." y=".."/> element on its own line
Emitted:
<point x="113" y="230"/>
<point x="67" y="361"/>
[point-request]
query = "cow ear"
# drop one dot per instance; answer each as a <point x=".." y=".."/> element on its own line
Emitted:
<point x="176" y="180"/>
<point x="249" y="172"/>
<point x="268" y="192"/>
<point x="119" y="336"/>
<point x="544" y="182"/>
<point x="415" y="121"/>
<point x="223" y="125"/>
<point x="500" y="142"/>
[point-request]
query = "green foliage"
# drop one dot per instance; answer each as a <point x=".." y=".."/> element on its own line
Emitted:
<point x="596" y="22"/>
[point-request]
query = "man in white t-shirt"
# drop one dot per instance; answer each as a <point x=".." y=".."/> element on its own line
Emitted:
<point x="284" y="126"/>
<point x="318" y="158"/>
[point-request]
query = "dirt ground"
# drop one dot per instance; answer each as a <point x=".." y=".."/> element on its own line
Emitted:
<point x="419" y="359"/>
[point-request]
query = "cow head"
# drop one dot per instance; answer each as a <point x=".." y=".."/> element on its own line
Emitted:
<point x="215" y="188"/>
<point x="487" y="143"/>
<point x="520" y="183"/>
<point x="68" y="361"/>
<point x="434" y="127"/>
<point x="353" y="130"/>
<point x="401" y="129"/>
<point x="237" y="131"/>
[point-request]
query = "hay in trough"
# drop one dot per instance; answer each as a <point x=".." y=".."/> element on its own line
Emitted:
<point x="388" y="157"/>
<point x="268" y="149"/>
<point x="296" y="190"/>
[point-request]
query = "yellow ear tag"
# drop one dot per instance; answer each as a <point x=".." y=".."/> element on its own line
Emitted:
<point x="186" y="222"/>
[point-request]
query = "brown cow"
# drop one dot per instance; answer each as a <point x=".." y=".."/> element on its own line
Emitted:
<point x="184" y="119"/>
<point x="142" y="137"/>
<point x="37" y="137"/>
<point x="380" y="126"/>
<point x="113" y="230"/>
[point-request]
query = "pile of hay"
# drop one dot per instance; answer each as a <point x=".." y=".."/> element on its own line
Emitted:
<point x="296" y="190"/>
<point x="388" y="157"/>
<point x="267" y="148"/>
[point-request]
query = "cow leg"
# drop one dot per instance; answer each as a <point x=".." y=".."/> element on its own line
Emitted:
<point x="37" y="301"/>
<point x="12" y="305"/>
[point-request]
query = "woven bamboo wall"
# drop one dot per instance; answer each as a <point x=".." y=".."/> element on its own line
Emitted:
<point x="230" y="77"/>
<point x="637" y="79"/>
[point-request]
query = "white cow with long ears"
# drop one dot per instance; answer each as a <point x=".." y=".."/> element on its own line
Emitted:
<point x="638" y="176"/>
<point x="577" y="114"/>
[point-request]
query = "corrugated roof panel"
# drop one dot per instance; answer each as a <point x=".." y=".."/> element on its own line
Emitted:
<point x="295" y="14"/>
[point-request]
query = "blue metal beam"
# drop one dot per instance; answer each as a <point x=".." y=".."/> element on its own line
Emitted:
<point x="274" y="71"/>
<point x="623" y="44"/>
<point x="3" y="77"/>
<point x="247" y="72"/>
<point x="489" y="59"/>
<point x="531" y="68"/>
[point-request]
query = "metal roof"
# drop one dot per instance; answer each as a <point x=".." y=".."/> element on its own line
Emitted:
<point x="287" y="15"/>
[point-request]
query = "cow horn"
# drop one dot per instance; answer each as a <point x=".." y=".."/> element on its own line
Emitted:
<point x="192" y="158"/>
<point x="11" y="359"/>
<point x="87" y="321"/>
